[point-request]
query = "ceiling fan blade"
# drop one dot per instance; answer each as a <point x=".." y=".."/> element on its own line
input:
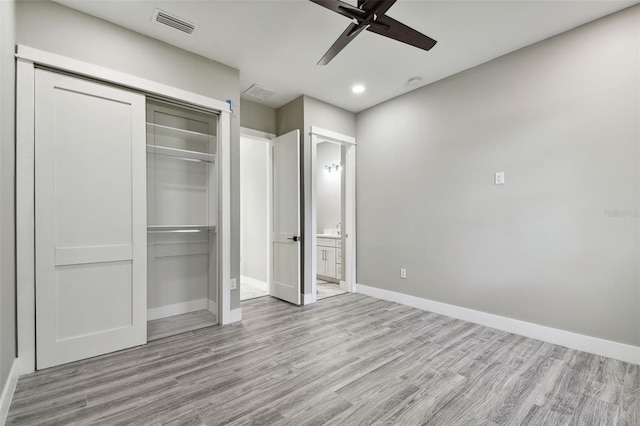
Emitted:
<point x="379" y="7"/>
<point x="401" y="32"/>
<point x="345" y="38"/>
<point x="339" y="7"/>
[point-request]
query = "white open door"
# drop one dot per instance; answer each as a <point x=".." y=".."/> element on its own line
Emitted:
<point x="285" y="218"/>
<point x="90" y="214"/>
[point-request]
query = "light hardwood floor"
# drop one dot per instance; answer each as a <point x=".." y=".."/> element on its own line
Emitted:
<point x="350" y="360"/>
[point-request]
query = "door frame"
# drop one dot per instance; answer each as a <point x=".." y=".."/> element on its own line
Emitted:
<point x="348" y="144"/>
<point x="266" y="139"/>
<point x="27" y="60"/>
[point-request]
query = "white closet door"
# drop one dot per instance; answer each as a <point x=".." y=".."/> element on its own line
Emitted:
<point x="90" y="219"/>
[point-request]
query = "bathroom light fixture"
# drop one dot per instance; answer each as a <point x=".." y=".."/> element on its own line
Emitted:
<point x="333" y="167"/>
<point x="357" y="89"/>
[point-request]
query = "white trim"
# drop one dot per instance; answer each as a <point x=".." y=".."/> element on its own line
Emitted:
<point x="332" y="136"/>
<point x="122" y="79"/>
<point x="224" y="220"/>
<point x="177" y="309"/>
<point x="349" y="146"/>
<point x="25" y="215"/>
<point x="235" y="315"/>
<point x="581" y="342"/>
<point x="349" y="250"/>
<point x="308" y="299"/>
<point x="8" y="391"/>
<point x="260" y="284"/>
<point x="256" y="134"/>
<point x="269" y="213"/>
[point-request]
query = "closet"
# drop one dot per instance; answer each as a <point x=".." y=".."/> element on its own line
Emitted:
<point x="181" y="219"/>
<point x="122" y="210"/>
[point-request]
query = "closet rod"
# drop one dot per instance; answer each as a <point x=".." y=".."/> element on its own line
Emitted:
<point x="169" y="231"/>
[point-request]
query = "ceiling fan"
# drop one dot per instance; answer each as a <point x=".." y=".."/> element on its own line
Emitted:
<point x="370" y="15"/>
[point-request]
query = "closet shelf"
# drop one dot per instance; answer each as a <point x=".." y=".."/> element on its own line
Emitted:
<point x="162" y="229"/>
<point x="182" y="154"/>
<point x="176" y="131"/>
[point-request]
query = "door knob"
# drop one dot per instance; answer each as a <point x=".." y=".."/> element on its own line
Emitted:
<point x="295" y="238"/>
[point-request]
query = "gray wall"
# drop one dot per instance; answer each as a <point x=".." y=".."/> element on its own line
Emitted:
<point x="253" y="207"/>
<point x="7" y="191"/>
<point x="557" y="245"/>
<point x="58" y="29"/>
<point x="327" y="116"/>
<point x="290" y="117"/>
<point x="257" y="117"/>
<point x="328" y="187"/>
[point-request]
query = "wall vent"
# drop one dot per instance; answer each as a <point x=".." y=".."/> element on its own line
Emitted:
<point x="259" y="92"/>
<point x="172" y="21"/>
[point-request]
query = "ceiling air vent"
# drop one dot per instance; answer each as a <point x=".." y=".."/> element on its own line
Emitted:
<point x="259" y="92"/>
<point x="173" y="21"/>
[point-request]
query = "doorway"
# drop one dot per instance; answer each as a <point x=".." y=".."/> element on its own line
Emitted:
<point x="270" y="216"/>
<point x="254" y="217"/>
<point x="332" y="228"/>
<point x="328" y="191"/>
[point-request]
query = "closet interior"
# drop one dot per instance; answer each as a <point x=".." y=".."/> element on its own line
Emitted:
<point x="182" y="206"/>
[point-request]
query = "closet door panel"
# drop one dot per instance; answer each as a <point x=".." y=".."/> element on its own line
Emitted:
<point x="92" y="170"/>
<point x="109" y="306"/>
<point x="90" y="219"/>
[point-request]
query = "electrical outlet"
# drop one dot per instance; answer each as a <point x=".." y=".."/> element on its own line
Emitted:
<point x="233" y="285"/>
<point x="499" y="178"/>
<point x="403" y="273"/>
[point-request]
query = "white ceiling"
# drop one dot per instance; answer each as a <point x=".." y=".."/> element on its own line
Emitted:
<point x="278" y="43"/>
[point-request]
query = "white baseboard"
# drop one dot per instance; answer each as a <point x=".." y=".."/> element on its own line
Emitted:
<point x="260" y="284"/>
<point x="581" y="342"/>
<point x="177" y="309"/>
<point x="308" y="299"/>
<point x="8" y="390"/>
<point x="235" y="315"/>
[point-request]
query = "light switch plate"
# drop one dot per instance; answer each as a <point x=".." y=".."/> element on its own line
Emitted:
<point x="233" y="285"/>
<point x="499" y="178"/>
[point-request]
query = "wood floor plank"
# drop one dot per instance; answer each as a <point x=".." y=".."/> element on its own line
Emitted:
<point x="630" y="399"/>
<point x="346" y="360"/>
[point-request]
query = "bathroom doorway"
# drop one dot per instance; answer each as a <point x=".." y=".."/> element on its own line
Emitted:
<point x="332" y="264"/>
<point x="329" y="185"/>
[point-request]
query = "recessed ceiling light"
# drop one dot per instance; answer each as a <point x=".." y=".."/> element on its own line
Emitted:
<point x="414" y="81"/>
<point x="358" y="88"/>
